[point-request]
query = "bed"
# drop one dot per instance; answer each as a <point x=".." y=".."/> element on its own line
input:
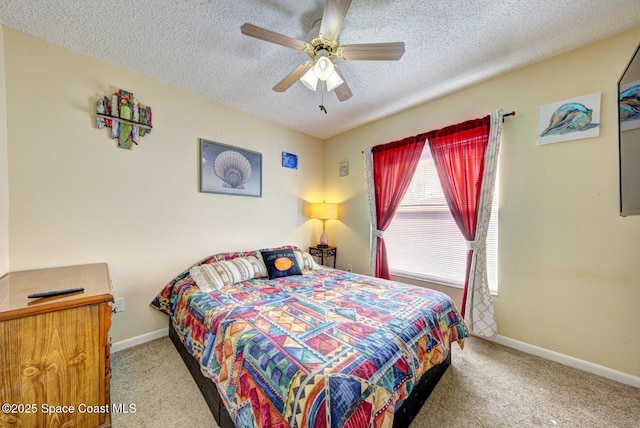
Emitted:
<point x="308" y="346"/>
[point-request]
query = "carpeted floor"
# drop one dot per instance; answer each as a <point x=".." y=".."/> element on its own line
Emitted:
<point x="487" y="385"/>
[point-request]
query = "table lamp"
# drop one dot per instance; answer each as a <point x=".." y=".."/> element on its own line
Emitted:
<point x="324" y="211"/>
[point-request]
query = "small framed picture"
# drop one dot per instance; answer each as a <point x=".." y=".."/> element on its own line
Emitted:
<point x="343" y="169"/>
<point x="289" y="160"/>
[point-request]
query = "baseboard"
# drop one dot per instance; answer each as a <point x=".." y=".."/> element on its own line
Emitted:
<point x="567" y="360"/>
<point x="139" y="340"/>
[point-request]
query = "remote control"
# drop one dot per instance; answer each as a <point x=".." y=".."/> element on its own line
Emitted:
<point x="54" y="292"/>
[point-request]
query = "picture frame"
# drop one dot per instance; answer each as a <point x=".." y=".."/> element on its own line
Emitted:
<point x="229" y="170"/>
<point x="572" y="119"/>
<point x="343" y="169"/>
<point x="289" y="160"/>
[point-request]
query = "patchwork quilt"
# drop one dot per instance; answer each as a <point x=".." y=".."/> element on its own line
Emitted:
<point x="324" y="349"/>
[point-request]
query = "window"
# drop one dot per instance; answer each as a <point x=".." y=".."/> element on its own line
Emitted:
<point x="423" y="241"/>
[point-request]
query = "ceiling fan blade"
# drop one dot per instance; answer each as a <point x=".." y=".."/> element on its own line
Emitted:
<point x="392" y="51"/>
<point x="271" y="36"/>
<point x="333" y="17"/>
<point x="343" y="92"/>
<point x="293" y="77"/>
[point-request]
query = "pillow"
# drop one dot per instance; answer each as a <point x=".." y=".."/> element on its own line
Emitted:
<point x="305" y="260"/>
<point x="215" y="276"/>
<point x="284" y="247"/>
<point x="281" y="263"/>
<point x="250" y="267"/>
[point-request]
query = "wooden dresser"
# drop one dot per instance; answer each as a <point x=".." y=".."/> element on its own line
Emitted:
<point x="54" y="351"/>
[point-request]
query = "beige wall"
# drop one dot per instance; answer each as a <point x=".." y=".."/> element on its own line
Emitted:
<point x="77" y="198"/>
<point x="569" y="271"/>
<point x="4" y="169"/>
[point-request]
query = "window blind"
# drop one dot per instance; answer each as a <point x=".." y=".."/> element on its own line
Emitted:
<point x="423" y="241"/>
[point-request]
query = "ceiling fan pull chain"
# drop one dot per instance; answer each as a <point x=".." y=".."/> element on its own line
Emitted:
<point x="322" y="107"/>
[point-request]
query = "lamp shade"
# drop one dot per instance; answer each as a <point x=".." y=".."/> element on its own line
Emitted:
<point x="310" y="79"/>
<point x="333" y="81"/>
<point x="324" y="211"/>
<point x="323" y="68"/>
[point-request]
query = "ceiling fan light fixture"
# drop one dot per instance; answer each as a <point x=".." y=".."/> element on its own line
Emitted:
<point x="333" y="81"/>
<point x="322" y="48"/>
<point x="310" y="79"/>
<point x="323" y="67"/>
<point x="325" y="70"/>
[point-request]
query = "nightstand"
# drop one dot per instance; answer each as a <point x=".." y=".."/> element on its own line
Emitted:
<point x="324" y="252"/>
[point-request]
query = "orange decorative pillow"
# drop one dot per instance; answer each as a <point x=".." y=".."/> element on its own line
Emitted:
<point x="281" y="263"/>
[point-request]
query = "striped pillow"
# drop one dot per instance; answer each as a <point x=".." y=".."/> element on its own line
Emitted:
<point x="250" y="267"/>
<point x="215" y="276"/>
<point x="305" y="260"/>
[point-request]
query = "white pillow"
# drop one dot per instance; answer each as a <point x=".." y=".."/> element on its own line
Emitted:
<point x="215" y="276"/>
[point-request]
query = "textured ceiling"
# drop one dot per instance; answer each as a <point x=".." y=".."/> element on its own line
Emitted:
<point x="197" y="45"/>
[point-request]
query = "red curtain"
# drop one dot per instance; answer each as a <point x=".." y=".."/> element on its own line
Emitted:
<point x="459" y="152"/>
<point x="393" y="167"/>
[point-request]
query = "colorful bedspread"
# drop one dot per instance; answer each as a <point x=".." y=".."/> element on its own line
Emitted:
<point x="328" y="348"/>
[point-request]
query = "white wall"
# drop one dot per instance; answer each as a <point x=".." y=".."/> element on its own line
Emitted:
<point x="4" y="168"/>
<point x="569" y="271"/>
<point x="77" y="198"/>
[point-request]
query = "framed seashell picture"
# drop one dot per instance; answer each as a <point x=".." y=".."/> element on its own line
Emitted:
<point x="571" y="119"/>
<point x="229" y="170"/>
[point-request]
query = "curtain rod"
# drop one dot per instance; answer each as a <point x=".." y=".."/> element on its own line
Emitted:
<point x="513" y="113"/>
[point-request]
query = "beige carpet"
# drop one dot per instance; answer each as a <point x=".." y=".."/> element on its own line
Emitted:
<point x="487" y="385"/>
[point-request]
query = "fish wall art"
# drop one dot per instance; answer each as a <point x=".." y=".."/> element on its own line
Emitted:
<point x="629" y="103"/>
<point x="572" y="119"/>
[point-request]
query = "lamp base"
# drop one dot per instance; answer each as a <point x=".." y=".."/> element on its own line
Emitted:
<point x="324" y="241"/>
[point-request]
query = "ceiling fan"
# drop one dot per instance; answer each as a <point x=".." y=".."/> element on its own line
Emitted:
<point x="323" y="49"/>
